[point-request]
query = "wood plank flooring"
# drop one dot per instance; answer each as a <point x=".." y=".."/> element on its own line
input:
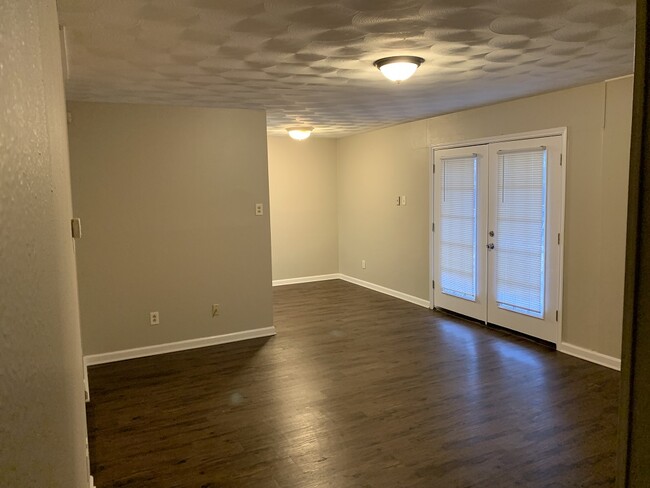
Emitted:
<point x="358" y="389"/>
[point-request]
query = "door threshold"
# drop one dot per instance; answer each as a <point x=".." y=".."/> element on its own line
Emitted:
<point x="499" y="328"/>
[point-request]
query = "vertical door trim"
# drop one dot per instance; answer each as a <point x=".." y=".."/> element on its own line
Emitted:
<point x="633" y="440"/>
<point x="432" y="186"/>
<point x="558" y="131"/>
<point x="560" y="289"/>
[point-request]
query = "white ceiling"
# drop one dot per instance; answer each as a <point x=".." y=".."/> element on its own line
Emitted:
<point x="310" y="61"/>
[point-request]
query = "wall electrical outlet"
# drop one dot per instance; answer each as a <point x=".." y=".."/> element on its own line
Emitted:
<point x="259" y="209"/>
<point x="363" y="264"/>
<point x="154" y="318"/>
<point x="216" y="309"/>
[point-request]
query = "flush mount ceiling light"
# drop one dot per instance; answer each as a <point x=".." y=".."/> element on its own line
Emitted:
<point x="300" y="133"/>
<point x="398" y="68"/>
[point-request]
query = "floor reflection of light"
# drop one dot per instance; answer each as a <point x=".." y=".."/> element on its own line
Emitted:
<point x="459" y="334"/>
<point x="462" y="340"/>
<point x="459" y="338"/>
<point x="478" y="353"/>
<point x="530" y="394"/>
<point x="298" y="417"/>
<point x="515" y="352"/>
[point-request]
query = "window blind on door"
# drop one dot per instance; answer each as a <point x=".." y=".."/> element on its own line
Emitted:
<point x="521" y="231"/>
<point x="458" y="227"/>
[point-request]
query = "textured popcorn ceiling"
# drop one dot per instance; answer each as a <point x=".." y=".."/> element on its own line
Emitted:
<point x="310" y="61"/>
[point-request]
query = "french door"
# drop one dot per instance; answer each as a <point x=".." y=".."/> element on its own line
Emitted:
<point x="497" y="218"/>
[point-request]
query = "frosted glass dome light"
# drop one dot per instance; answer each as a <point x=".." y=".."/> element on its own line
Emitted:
<point x="300" y="133"/>
<point x="398" y="68"/>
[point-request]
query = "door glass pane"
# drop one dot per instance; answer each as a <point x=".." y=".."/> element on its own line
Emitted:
<point x="521" y="231"/>
<point x="458" y="227"/>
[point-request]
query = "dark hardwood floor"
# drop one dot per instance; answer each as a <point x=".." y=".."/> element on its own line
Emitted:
<point x="358" y="389"/>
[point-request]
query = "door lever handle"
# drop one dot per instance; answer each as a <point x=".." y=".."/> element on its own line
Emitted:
<point x="490" y="246"/>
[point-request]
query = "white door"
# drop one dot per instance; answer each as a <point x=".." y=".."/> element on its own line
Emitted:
<point x="497" y="218"/>
<point x="524" y="218"/>
<point x="460" y="219"/>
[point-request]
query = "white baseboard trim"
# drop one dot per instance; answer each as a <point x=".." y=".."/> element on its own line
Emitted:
<point x="141" y="352"/>
<point x="306" y="279"/>
<point x="386" y="291"/>
<point x="588" y="355"/>
<point x="356" y="281"/>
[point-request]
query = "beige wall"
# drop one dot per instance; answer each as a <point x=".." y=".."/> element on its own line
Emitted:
<point x="375" y="167"/>
<point x="42" y="414"/>
<point x="167" y="200"/>
<point x="304" y="227"/>
<point x="613" y="211"/>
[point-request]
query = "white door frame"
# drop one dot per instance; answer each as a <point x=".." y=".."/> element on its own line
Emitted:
<point x="558" y="131"/>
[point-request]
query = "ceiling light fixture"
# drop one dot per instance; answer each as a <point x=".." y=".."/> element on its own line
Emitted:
<point x="398" y="68"/>
<point x="300" y="133"/>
